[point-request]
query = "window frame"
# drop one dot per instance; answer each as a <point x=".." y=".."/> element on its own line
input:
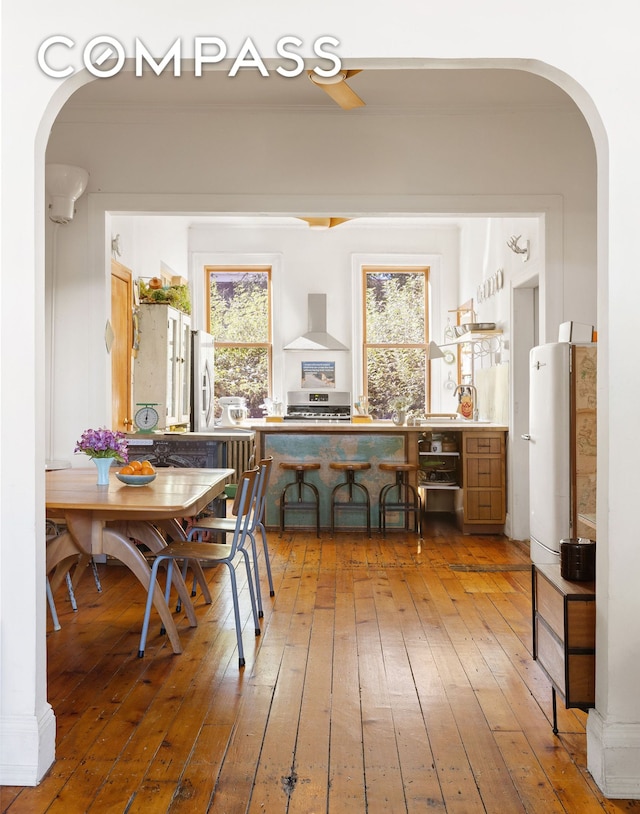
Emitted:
<point x="398" y="268"/>
<point x="245" y="268"/>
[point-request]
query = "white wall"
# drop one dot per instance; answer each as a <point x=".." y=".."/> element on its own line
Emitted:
<point x="152" y="245"/>
<point x="321" y="262"/>
<point x="542" y="160"/>
<point x="261" y="162"/>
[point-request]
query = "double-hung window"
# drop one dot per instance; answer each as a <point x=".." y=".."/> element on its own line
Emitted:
<point x="239" y="318"/>
<point x="395" y="338"/>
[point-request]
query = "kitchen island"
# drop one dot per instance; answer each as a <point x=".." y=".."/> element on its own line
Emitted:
<point x="467" y="477"/>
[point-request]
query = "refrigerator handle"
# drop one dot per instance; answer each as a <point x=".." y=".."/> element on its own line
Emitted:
<point x="526" y="437"/>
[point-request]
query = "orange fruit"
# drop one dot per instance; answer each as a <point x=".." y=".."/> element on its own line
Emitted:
<point x="127" y="470"/>
<point x="147" y="470"/>
<point x="147" y="464"/>
<point x="135" y="465"/>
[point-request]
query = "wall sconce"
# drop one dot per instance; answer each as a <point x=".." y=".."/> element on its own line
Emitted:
<point x="434" y="352"/>
<point x="523" y="251"/>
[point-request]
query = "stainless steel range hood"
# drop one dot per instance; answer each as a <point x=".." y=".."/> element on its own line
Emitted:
<point x="316" y="337"/>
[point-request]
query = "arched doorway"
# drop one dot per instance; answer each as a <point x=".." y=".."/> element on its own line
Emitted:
<point x="41" y="633"/>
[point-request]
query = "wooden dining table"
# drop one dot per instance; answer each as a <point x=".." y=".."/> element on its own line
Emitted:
<point x="104" y="519"/>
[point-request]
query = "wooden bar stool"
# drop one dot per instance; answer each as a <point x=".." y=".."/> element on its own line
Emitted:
<point x="400" y="496"/>
<point x="350" y="484"/>
<point x="299" y="485"/>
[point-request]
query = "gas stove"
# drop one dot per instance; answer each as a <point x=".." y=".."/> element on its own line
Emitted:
<point x="316" y="406"/>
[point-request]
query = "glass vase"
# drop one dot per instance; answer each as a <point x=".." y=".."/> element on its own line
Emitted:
<point x="399" y="417"/>
<point x="103" y="465"/>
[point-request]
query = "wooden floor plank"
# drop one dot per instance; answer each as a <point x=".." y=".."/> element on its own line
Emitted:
<point x="383" y="779"/>
<point x="277" y="775"/>
<point x="533" y="786"/>
<point x="346" y="788"/>
<point x="391" y="674"/>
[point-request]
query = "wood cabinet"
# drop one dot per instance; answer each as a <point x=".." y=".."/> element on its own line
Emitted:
<point x="162" y="370"/>
<point x="473" y="477"/>
<point x="564" y="635"/>
<point x="483" y="481"/>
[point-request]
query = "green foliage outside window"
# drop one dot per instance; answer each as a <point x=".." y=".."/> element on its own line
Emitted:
<point x="239" y="322"/>
<point x="395" y="316"/>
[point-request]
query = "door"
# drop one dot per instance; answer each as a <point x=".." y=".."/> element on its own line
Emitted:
<point x="178" y="392"/>
<point x="121" y="348"/>
<point x="202" y="379"/>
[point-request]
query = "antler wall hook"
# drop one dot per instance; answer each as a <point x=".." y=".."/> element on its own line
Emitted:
<point x="512" y="243"/>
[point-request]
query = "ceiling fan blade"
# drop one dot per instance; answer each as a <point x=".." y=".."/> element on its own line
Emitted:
<point x="317" y="223"/>
<point x="343" y="95"/>
<point x="338" y="90"/>
<point x="324" y="223"/>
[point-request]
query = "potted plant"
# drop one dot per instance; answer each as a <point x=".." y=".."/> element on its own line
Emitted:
<point x="104" y="447"/>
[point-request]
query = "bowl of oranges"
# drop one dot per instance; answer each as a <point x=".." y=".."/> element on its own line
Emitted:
<point x="136" y="473"/>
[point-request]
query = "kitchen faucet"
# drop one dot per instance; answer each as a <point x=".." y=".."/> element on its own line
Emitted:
<point x="472" y="387"/>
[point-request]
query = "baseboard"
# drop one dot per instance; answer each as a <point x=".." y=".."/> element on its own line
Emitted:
<point x="613" y="757"/>
<point x="27" y="748"/>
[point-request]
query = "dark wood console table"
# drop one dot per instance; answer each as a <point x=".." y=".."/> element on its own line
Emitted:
<point x="564" y="636"/>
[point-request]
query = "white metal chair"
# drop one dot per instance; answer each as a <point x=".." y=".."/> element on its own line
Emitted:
<point x="214" y="554"/>
<point x="226" y="526"/>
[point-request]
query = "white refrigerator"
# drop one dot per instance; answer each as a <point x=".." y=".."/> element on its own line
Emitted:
<point x="562" y="445"/>
<point x="202" y="381"/>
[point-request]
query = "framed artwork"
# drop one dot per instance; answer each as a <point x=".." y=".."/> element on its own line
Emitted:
<point x="317" y="375"/>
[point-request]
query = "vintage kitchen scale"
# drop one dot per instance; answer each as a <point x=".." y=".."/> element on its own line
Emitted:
<point x="146" y="417"/>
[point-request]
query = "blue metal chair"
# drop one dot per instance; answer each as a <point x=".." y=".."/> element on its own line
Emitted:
<point x="226" y="525"/>
<point x="213" y="554"/>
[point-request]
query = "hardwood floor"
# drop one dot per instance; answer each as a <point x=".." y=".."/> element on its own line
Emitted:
<point x="389" y="677"/>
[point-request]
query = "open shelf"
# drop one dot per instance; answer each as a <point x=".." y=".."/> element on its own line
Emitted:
<point x="473" y="336"/>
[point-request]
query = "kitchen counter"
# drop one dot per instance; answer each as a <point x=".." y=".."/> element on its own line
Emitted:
<point x="449" y="425"/>
<point x="220" y="448"/>
<point x="217" y="434"/>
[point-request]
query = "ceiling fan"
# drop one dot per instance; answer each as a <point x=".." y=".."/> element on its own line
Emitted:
<point x="336" y="87"/>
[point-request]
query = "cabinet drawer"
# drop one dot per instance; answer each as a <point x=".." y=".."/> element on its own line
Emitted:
<point x="484" y="506"/>
<point x="580" y="629"/>
<point x="485" y="473"/>
<point x="549" y="603"/>
<point x="580" y="668"/>
<point x="581" y="624"/>
<point x="483" y="444"/>
<point x="581" y="690"/>
<point x="550" y="654"/>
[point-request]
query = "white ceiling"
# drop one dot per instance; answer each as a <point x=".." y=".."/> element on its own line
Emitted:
<point x="419" y="90"/>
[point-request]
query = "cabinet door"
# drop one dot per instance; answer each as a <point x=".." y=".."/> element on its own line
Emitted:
<point x="485" y="473"/>
<point x="184" y="401"/>
<point x="484" y="479"/>
<point x="178" y="367"/>
<point x="162" y="374"/>
<point x="173" y="341"/>
<point x="484" y="506"/>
